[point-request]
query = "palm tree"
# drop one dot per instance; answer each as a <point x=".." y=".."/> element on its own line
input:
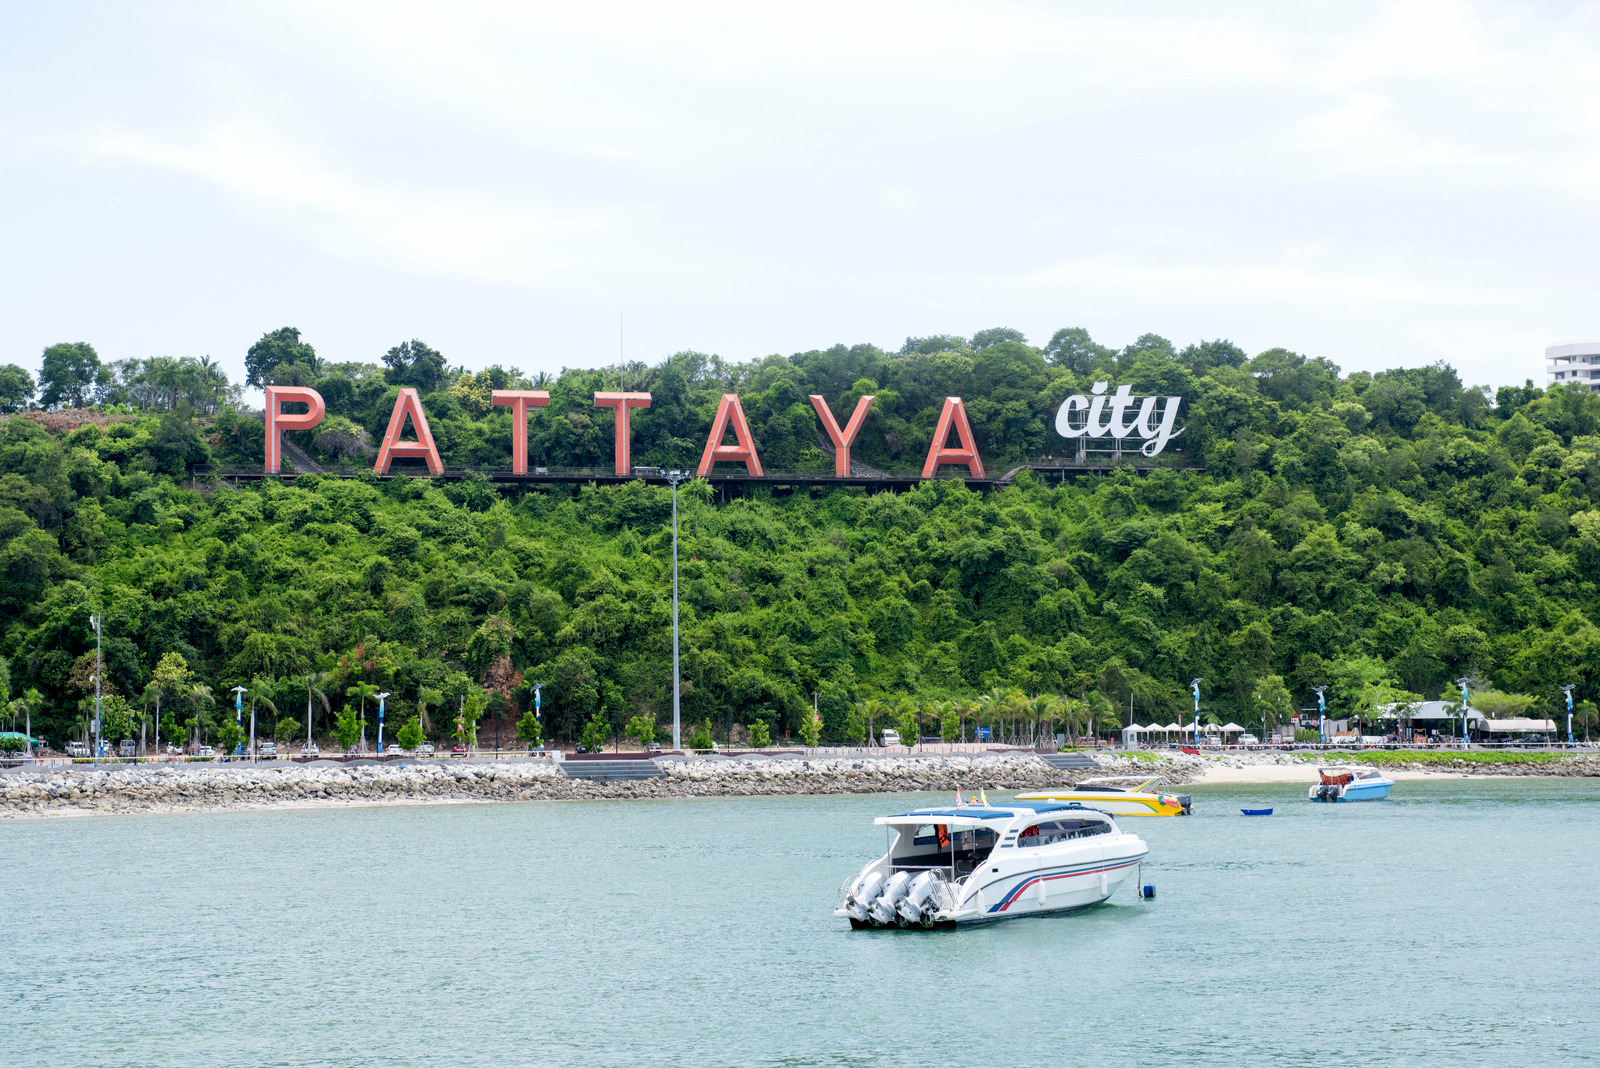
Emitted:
<point x="427" y="696"/>
<point x="1099" y="712"/>
<point x="872" y="710"/>
<point x="314" y="691"/>
<point x="200" y="694"/>
<point x="260" y="693"/>
<point x="1051" y="708"/>
<point x="363" y="690"/>
<point x="25" y="705"/>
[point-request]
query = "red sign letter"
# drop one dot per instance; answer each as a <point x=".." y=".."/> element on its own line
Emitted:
<point x="520" y="400"/>
<point x="277" y="421"/>
<point x="744" y="452"/>
<point x="622" y="402"/>
<point x="939" y="454"/>
<point x="408" y="403"/>
<point x="842" y="440"/>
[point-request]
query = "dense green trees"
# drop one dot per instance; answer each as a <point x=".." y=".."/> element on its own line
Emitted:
<point x="1378" y="533"/>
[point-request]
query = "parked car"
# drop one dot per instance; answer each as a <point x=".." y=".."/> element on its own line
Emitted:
<point x="128" y="748"/>
<point x="458" y="751"/>
<point x="208" y="752"/>
<point x="394" y="748"/>
<point x="581" y="749"/>
<point x="1249" y="739"/>
<point x="77" y="749"/>
<point x="267" y="751"/>
<point x="891" y="737"/>
<point x="310" y="750"/>
<point x="653" y="747"/>
<point x="425" y="749"/>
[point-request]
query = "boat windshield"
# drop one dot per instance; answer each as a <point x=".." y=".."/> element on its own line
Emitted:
<point x="943" y="847"/>
<point x="1043" y="834"/>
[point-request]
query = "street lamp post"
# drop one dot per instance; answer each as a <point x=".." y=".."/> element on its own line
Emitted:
<point x="94" y="621"/>
<point x="1462" y="682"/>
<point x="1195" y="685"/>
<point x="380" y="697"/>
<point x="675" y="477"/>
<point x="1567" y="689"/>
<point x="538" y="712"/>
<point x="238" y="710"/>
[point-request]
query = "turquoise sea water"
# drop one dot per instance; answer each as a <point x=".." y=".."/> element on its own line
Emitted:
<point x="1453" y="925"/>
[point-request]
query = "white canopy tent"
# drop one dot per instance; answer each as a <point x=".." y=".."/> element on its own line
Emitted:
<point x="1232" y="728"/>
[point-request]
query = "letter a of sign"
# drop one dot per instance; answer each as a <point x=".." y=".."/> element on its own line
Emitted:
<point x="408" y="403"/>
<point x="939" y="454"/>
<point x="842" y="438"/>
<point x="729" y="413"/>
<point x="277" y="421"/>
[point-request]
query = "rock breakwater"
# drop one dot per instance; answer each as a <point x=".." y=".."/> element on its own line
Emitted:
<point x="179" y="787"/>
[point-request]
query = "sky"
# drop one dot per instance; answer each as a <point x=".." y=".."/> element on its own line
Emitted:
<point x="545" y="185"/>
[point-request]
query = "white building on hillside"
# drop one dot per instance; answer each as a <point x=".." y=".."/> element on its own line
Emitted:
<point x="1576" y="362"/>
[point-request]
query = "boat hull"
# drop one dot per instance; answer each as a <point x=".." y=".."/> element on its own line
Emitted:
<point x="1116" y="804"/>
<point x="1358" y="792"/>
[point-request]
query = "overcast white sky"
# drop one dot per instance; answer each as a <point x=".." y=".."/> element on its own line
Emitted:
<point x="1379" y="183"/>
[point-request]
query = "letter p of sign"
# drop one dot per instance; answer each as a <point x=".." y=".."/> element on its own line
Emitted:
<point x="278" y="421"/>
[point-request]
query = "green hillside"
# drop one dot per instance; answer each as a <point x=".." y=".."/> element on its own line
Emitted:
<point x="1381" y="533"/>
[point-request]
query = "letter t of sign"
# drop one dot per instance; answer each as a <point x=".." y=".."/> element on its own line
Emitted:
<point x="520" y="401"/>
<point x="842" y="439"/>
<point x="277" y="421"/>
<point x="622" y="402"/>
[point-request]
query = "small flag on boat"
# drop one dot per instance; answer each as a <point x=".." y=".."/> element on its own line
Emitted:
<point x="958" y="799"/>
<point x="983" y="799"/>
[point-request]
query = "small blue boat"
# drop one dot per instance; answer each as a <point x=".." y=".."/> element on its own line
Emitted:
<point x="1256" y="811"/>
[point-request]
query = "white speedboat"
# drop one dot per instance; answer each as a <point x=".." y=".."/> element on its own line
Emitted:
<point x="970" y="864"/>
<point x="1120" y="795"/>
<point x="1350" y="784"/>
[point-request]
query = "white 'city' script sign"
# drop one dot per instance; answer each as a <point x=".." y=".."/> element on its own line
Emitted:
<point x="1103" y="416"/>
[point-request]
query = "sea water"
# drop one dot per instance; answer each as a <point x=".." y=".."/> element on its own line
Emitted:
<point x="1454" y="924"/>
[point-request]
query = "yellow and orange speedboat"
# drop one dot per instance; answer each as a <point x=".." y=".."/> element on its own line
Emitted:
<point x="1105" y="794"/>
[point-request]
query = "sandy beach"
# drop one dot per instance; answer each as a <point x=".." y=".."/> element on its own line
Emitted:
<point x="1306" y="773"/>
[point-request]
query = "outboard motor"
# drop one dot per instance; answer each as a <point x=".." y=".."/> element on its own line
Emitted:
<point x="920" y="901"/>
<point x="863" y="894"/>
<point x="1332" y="786"/>
<point x="882" y="910"/>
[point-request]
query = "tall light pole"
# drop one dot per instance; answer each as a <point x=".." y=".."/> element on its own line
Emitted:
<point x="308" y="714"/>
<point x="1567" y="689"/>
<point x="1322" y="713"/>
<point x="1462" y="682"/>
<point x="1195" y="685"/>
<point x="675" y="477"/>
<point x="94" y="621"/>
<point x="380" y="697"/>
<point x="238" y="705"/>
<point x="538" y="711"/>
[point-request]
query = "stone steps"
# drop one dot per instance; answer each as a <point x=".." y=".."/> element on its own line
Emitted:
<point x="611" y="770"/>
<point x="1069" y="761"/>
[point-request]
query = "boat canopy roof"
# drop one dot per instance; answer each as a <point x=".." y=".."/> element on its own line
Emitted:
<point x="979" y="815"/>
<point x="1142" y="780"/>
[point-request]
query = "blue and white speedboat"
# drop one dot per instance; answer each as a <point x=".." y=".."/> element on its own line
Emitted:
<point x="948" y="867"/>
<point x="1350" y="784"/>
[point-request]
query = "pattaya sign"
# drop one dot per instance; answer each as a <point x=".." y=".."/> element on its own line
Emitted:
<point x="1100" y="416"/>
<point x="729" y="420"/>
